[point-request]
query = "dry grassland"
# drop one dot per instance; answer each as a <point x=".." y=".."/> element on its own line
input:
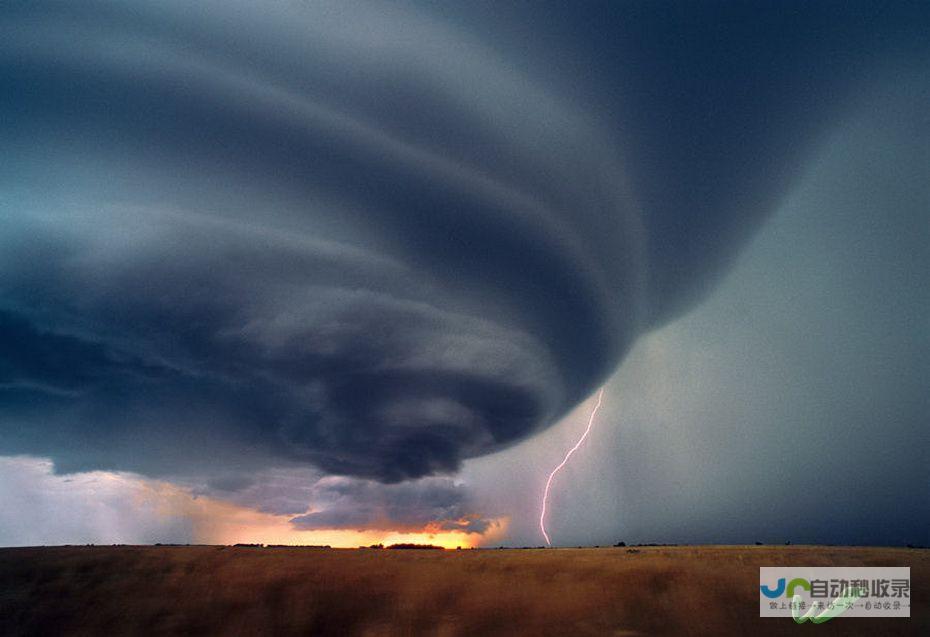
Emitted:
<point x="295" y="591"/>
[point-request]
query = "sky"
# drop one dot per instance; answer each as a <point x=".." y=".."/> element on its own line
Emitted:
<point x="347" y="273"/>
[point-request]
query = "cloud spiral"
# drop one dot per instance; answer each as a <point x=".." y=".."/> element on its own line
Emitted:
<point x="354" y="235"/>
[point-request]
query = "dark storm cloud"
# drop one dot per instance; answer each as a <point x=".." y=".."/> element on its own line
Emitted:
<point x="319" y="501"/>
<point x="364" y="236"/>
<point x="279" y="491"/>
<point x="437" y="503"/>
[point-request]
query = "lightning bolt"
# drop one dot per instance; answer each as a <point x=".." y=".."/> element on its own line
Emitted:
<point x="545" y="500"/>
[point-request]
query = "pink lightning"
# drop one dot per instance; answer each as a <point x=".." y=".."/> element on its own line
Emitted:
<point x="542" y="516"/>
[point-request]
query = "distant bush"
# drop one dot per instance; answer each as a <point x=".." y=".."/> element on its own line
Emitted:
<point x="406" y="546"/>
<point x="622" y="544"/>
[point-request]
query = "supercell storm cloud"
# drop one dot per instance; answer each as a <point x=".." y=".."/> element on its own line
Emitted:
<point x="375" y="239"/>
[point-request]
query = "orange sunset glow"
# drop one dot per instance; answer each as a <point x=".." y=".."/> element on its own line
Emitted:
<point x="217" y="522"/>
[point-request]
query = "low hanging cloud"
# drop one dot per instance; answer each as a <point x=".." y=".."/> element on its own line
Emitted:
<point x="38" y="507"/>
<point x="367" y="238"/>
<point x="315" y="501"/>
<point x="430" y="503"/>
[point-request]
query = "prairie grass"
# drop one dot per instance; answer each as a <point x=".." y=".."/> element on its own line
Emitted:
<point x="217" y="590"/>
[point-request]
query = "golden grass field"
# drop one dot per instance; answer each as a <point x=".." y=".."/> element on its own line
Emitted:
<point x="219" y="590"/>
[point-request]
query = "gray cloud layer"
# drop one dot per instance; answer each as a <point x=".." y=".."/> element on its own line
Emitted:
<point x="340" y="503"/>
<point x="362" y="237"/>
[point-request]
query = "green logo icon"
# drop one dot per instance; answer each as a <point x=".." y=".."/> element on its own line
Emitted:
<point x="835" y="608"/>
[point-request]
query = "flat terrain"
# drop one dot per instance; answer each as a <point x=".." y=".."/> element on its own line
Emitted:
<point x="283" y="591"/>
